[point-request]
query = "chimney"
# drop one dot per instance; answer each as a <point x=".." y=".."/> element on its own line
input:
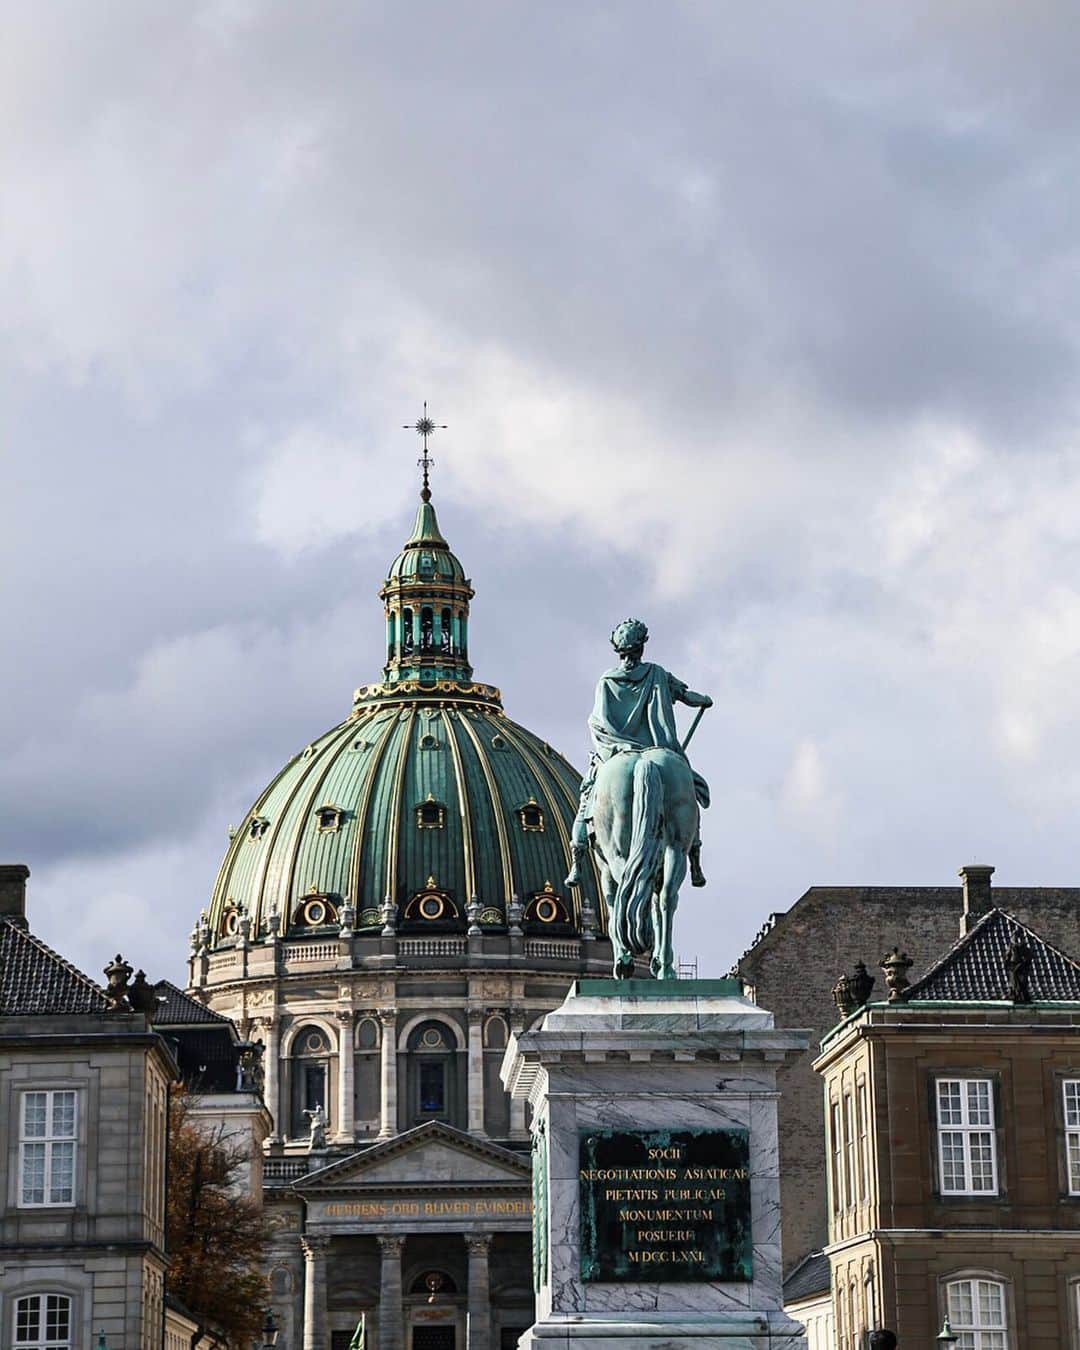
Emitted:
<point x="13" y="891"/>
<point x="977" y="900"/>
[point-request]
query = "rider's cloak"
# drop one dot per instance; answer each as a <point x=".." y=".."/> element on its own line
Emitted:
<point x="634" y="710"/>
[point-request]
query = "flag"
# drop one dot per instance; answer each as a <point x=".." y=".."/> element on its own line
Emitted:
<point x="360" y="1334"/>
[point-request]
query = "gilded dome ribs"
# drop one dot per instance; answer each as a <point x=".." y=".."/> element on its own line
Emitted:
<point x="362" y="807"/>
<point x="463" y="807"/>
<point x="497" y="812"/>
<point x="276" y="829"/>
<point x="223" y="885"/>
<point x="395" y="830"/>
<point x="545" y="775"/>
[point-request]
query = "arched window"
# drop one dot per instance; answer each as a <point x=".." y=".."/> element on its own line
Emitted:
<point x="434" y="1090"/>
<point x="391" y="636"/>
<point x="447" y="633"/>
<point x="42" y="1322"/>
<point x="406" y="632"/>
<point x="978" y="1313"/>
<point x="311" y="1057"/>
<point x="427" y="626"/>
<point x="495" y="1033"/>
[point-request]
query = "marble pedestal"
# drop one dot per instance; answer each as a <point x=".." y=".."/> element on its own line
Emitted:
<point x="643" y="1055"/>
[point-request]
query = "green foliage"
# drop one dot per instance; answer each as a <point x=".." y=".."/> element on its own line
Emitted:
<point x="217" y="1236"/>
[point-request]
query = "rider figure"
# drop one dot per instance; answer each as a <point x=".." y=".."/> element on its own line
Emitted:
<point x="633" y="711"/>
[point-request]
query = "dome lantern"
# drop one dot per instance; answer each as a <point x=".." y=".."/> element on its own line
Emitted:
<point x="426" y="600"/>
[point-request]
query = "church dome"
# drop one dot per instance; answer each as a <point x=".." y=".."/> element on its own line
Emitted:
<point x="427" y="809"/>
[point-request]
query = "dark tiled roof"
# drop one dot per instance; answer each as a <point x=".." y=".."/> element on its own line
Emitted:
<point x="35" y="981"/>
<point x="974" y="969"/>
<point x="811" y="1276"/>
<point x="180" y="1009"/>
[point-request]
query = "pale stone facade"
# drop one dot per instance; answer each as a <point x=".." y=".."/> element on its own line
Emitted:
<point x="953" y="1120"/>
<point x="83" y="1113"/>
<point x="401" y="1196"/>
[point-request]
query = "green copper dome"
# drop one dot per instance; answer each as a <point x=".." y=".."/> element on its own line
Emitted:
<point x="426" y="809"/>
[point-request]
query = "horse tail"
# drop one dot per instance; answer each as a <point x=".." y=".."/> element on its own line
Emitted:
<point x="633" y="899"/>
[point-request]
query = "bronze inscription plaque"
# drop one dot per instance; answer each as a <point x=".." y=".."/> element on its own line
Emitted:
<point x="665" y="1205"/>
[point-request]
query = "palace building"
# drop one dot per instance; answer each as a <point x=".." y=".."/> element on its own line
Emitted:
<point x="390" y="911"/>
<point x="953" y="1129"/>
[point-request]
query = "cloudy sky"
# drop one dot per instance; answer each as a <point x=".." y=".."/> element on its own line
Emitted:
<point x="757" y="320"/>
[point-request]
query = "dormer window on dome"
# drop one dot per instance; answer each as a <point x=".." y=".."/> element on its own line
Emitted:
<point x="430" y="814"/>
<point x="315" y="910"/>
<point x="258" y="827"/>
<point x="328" y="819"/>
<point x="531" y="817"/>
<point x="432" y="905"/>
<point x="547" y="910"/>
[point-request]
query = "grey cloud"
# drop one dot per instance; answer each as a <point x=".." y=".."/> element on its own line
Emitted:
<point x="784" y="258"/>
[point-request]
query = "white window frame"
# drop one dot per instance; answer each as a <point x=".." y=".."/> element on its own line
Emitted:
<point x="863" y="1155"/>
<point x="42" y="1340"/>
<point x="977" y="1334"/>
<point x="835" y="1125"/>
<point x="48" y="1142"/>
<point x="965" y="1131"/>
<point x="850" y="1198"/>
<point x="1070" y="1106"/>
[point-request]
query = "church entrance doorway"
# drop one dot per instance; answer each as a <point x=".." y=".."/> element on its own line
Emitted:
<point x="434" y="1338"/>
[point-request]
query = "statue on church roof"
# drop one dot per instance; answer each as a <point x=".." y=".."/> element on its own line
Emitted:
<point x="317" y="1136"/>
<point x="640" y="801"/>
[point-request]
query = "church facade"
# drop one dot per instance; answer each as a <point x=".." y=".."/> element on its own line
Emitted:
<point x="390" y="912"/>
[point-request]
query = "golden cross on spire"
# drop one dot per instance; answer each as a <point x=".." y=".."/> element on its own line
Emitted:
<point x="425" y="427"/>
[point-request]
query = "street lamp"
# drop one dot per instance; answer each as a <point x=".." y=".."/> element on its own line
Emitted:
<point x="269" y="1331"/>
<point x="946" y="1337"/>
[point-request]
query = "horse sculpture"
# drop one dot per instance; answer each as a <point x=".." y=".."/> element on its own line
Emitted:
<point x="645" y="821"/>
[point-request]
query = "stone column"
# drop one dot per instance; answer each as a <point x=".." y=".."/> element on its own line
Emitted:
<point x="316" y="1335"/>
<point x="478" y="1246"/>
<point x="271" y="1053"/>
<point x="345" y="1128"/>
<point x="391" y="1322"/>
<point x="476" y="1071"/>
<point x="388" y="1074"/>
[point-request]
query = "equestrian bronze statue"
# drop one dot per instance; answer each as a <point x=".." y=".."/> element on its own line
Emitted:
<point x="640" y="803"/>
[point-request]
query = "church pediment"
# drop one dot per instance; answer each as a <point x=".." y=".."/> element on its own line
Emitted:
<point x="433" y="1155"/>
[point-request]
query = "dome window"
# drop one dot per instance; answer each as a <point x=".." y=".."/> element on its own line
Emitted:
<point x="315" y="910"/>
<point x="430" y="815"/>
<point x="428" y="742"/>
<point x="546" y="909"/>
<point x="498" y="743"/>
<point x="258" y="827"/>
<point x="328" y="819"/>
<point x="431" y="905"/>
<point x="531" y="816"/>
<point x="230" y="921"/>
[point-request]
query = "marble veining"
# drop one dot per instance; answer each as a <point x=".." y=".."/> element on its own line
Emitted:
<point x="609" y="1063"/>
